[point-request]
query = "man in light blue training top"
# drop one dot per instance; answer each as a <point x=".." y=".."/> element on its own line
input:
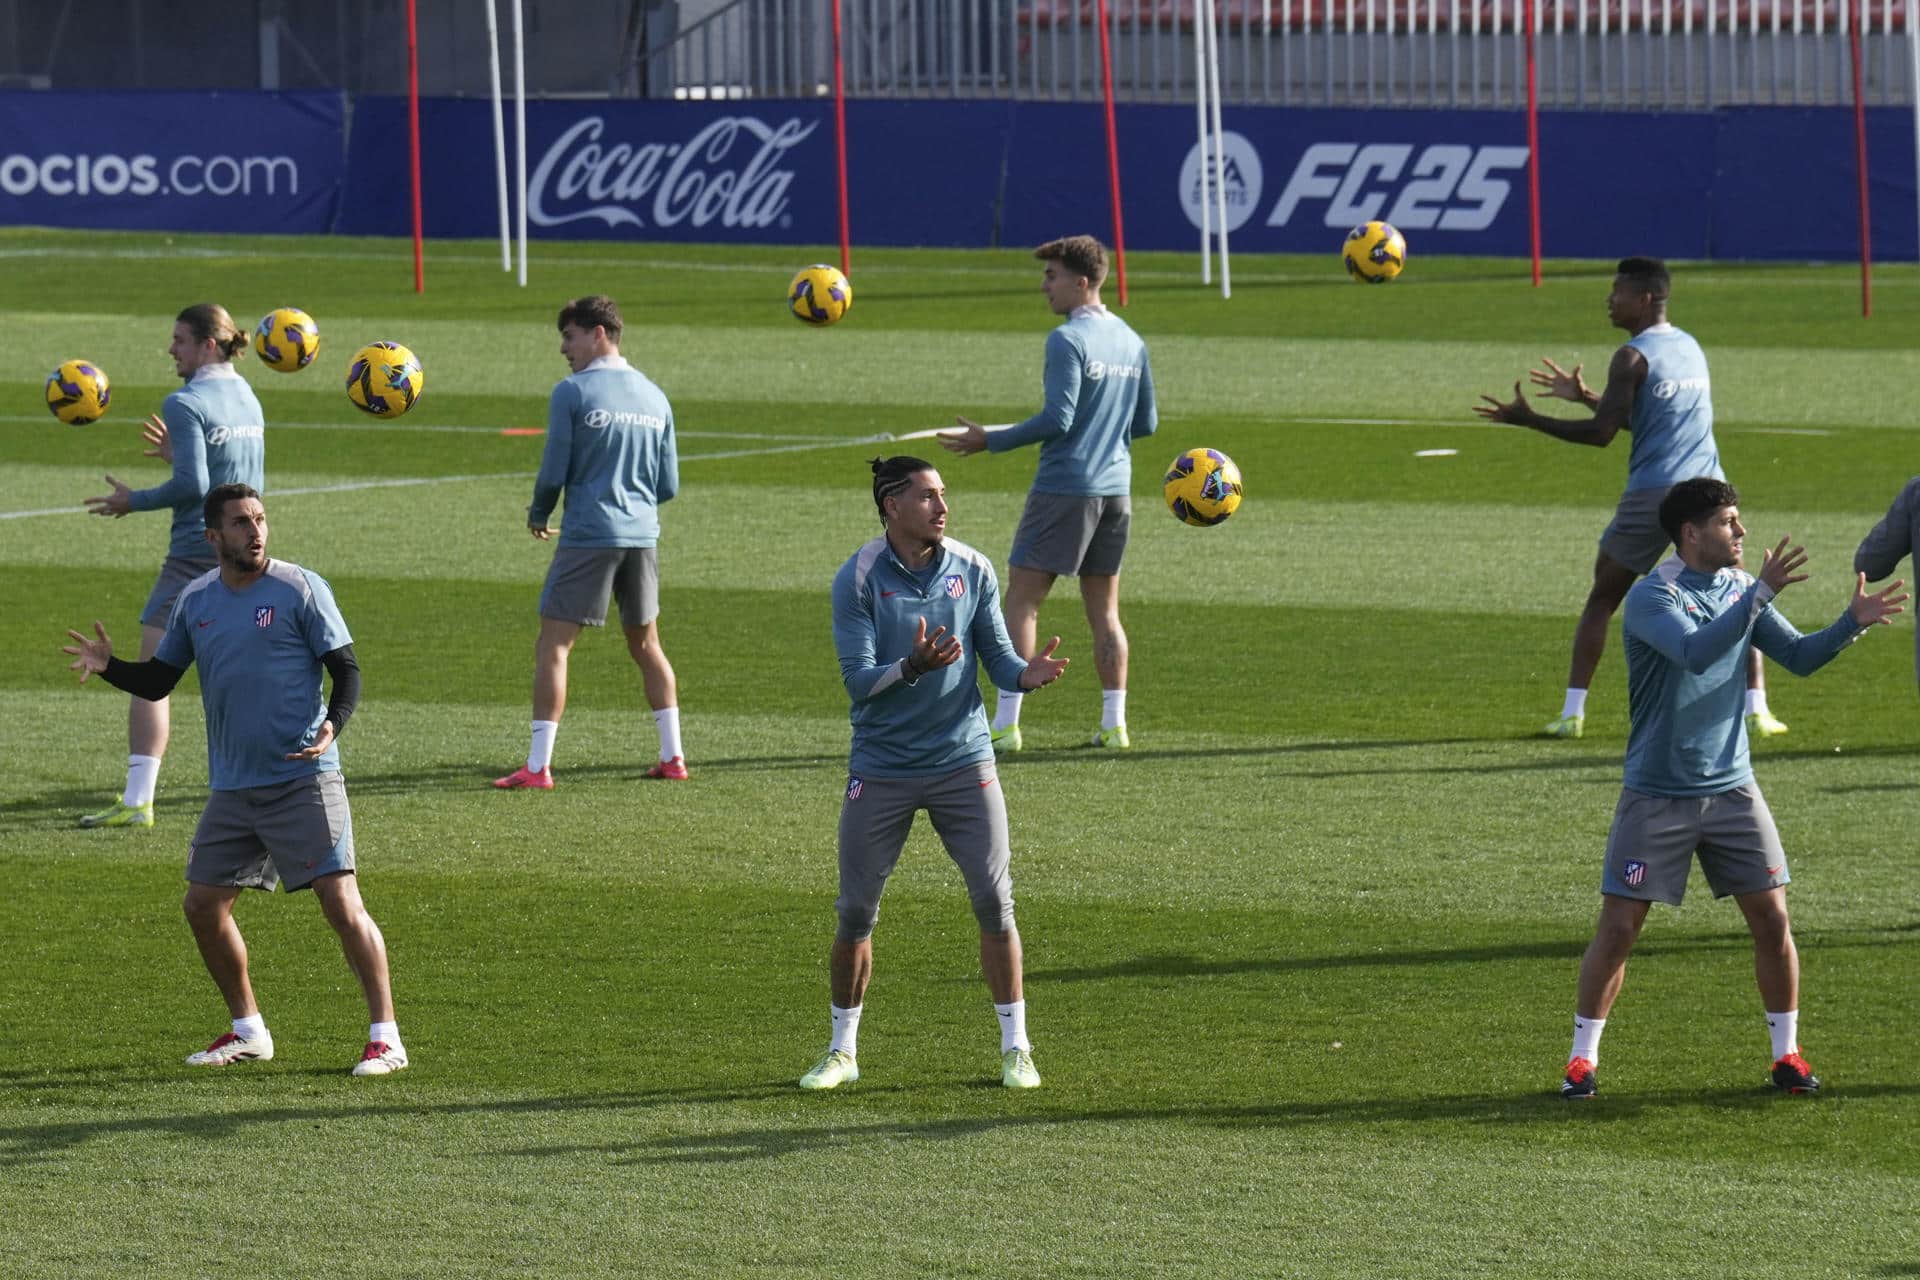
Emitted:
<point x="211" y="431"/>
<point x="1689" y="786"/>
<point x="261" y="631"/>
<point x="1099" y="400"/>
<point x="1657" y="390"/>
<point x="610" y="449"/>
<point x="915" y="615"/>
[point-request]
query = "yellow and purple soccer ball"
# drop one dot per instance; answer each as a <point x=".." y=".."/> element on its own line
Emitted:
<point x="385" y="379"/>
<point x="1202" y="487"/>
<point x="1375" y="253"/>
<point x="819" y="295"/>
<point x="287" y="339"/>
<point x="78" y="392"/>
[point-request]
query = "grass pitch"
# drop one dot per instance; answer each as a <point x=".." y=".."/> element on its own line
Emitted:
<point x="1300" y="965"/>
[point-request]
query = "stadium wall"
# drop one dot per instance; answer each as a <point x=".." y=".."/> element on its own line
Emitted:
<point x="1735" y="183"/>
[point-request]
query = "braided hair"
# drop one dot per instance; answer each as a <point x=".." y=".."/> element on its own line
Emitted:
<point x="892" y="477"/>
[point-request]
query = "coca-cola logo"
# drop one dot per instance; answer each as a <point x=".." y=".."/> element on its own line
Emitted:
<point x="727" y="174"/>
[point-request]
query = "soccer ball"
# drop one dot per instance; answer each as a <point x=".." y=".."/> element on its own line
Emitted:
<point x="385" y="379"/>
<point x="1375" y="253"/>
<point x="287" y="339"/>
<point x="1202" y="487"/>
<point x="819" y="295"/>
<point x="77" y="392"/>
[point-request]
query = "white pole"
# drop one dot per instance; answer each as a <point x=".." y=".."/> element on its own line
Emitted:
<point x="1913" y="85"/>
<point x="1206" y="151"/>
<point x="520" y="131"/>
<point x="499" y="134"/>
<point x="1219" y="150"/>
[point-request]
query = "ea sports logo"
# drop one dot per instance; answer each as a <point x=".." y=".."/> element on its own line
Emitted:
<point x="1665" y="389"/>
<point x="1096" y="370"/>
<point x="219" y="435"/>
<point x="598" y="418"/>
<point x="1239" y="182"/>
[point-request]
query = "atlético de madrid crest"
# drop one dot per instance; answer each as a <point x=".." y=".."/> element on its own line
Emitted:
<point x="263" y="616"/>
<point x="956" y="585"/>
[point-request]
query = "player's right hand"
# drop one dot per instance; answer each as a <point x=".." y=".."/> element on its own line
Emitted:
<point x="91" y="656"/>
<point x="1778" y="572"/>
<point x="1559" y="383"/>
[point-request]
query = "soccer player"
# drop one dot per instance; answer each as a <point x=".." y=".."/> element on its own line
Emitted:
<point x="1658" y="390"/>
<point x="1689" y="787"/>
<point x="914" y="617"/>
<point x="261" y="632"/>
<point x="610" y="449"/>
<point x="1891" y="541"/>
<point x="212" y="432"/>
<point x="1099" y="400"/>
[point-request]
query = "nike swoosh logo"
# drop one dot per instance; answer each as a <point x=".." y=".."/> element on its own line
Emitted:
<point x="207" y="623"/>
<point x="989" y="782"/>
<point x="886" y="594"/>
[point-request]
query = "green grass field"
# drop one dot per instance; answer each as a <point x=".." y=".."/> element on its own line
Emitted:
<point x="1299" y="967"/>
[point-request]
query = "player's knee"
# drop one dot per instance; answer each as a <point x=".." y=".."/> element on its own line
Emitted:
<point x="994" y="910"/>
<point x="857" y="919"/>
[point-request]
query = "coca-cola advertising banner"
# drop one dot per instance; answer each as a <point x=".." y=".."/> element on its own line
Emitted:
<point x="271" y="162"/>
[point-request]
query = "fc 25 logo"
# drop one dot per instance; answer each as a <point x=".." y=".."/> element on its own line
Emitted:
<point x="1447" y="185"/>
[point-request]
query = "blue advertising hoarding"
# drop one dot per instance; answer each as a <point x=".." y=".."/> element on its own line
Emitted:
<point x="270" y="162"/>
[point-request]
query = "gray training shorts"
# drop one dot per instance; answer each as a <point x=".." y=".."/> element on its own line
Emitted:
<point x="175" y="573"/>
<point x="1635" y="538"/>
<point x="1072" y="536"/>
<point x="1654" y="839"/>
<point x="289" y="834"/>
<point x="581" y="579"/>
<point x="969" y="812"/>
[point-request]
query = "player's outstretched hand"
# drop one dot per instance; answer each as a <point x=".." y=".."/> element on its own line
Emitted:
<point x="1516" y="413"/>
<point x="931" y="652"/>
<point x="972" y="438"/>
<point x="116" y="504"/>
<point x="1780" y="570"/>
<point x="1043" y="668"/>
<point x="1878" y="607"/>
<point x="154" y="432"/>
<point x="1559" y="383"/>
<point x="91" y="656"/>
<point x="322" y="739"/>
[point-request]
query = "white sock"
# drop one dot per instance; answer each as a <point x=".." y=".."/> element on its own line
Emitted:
<point x="1785" y="1030"/>
<point x="1757" y="702"/>
<point x="1013" y="1025"/>
<point x="143" y="772"/>
<point x="1006" y="712"/>
<point x="388" y="1032"/>
<point x="1113" y="708"/>
<point x="1586" y="1038"/>
<point x="540" y="754"/>
<point x="1576" y="703"/>
<point x="667" y="721"/>
<point x="846" y="1030"/>
<point x="251" y="1027"/>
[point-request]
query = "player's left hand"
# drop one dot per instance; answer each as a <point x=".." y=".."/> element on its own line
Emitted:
<point x="91" y="656"/>
<point x="540" y="531"/>
<point x="1516" y="413"/>
<point x="1560" y="383"/>
<point x="1878" y="607"/>
<point x="115" y="504"/>
<point x="971" y="439"/>
<point x="1043" y="668"/>
<point x="322" y="739"/>
<point x="154" y="431"/>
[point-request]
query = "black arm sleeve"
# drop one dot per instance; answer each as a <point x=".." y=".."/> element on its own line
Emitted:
<point x="152" y="679"/>
<point x="346" y="685"/>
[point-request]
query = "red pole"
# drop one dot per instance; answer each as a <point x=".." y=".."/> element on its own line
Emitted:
<point x="1533" y="146"/>
<point x="1113" y="157"/>
<point x="840" y="140"/>
<point x="413" y="144"/>
<point x="1860" y="163"/>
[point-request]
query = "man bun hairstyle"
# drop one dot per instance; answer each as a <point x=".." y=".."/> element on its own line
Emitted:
<point x="1082" y="255"/>
<point x="1649" y="275"/>
<point x="893" y="476"/>
<point x="594" y="309"/>
<point x="1692" y="501"/>
<point x="219" y="496"/>
<point x="209" y="320"/>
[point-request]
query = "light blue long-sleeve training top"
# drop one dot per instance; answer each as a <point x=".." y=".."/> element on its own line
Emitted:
<point x="219" y="437"/>
<point x="938" y="723"/>
<point x="1687" y="635"/>
<point x="1672" y="417"/>
<point x="1099" y="400"/>
<point x="610" y="446"/>
<point x="259" y="654"/>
